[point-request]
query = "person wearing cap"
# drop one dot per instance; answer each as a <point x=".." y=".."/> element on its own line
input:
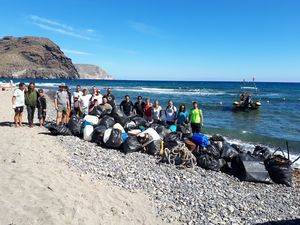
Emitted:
<point x="31" y="96"/>
<point x="196" y="118"/>
<point x="61" y="103"/>
<point x="18" y="102"/>
<point x="139" y="106"/>
<point x="41" y="106"/>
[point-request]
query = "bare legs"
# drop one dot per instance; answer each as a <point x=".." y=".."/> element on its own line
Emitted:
<point x="18" y="119"/>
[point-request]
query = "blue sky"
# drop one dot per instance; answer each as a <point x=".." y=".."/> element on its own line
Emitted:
<point x="168" y="39"/>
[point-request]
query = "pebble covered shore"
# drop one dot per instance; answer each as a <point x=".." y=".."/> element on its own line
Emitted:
<point x="185" y="196"/>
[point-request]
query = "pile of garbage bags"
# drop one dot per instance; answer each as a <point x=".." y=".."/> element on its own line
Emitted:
<point x="177" y="145"/>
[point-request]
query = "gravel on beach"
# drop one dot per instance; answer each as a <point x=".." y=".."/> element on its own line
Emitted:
<point x="185" y="196"/>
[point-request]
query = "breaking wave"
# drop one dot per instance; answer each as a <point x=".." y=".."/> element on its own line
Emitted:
<point x="172" y="91"/>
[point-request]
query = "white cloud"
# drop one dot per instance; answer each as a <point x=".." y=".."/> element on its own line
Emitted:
<point x="61" y="28"/>
<point x="144" y="28"/>
<point x="90" y="30"/>
<point x="75" y="52"/>
<point x="38" y="19"/>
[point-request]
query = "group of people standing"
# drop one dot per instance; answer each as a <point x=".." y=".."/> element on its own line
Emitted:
<point x="32" y="99"/>
<point x="155" y="113"/>
<point x="82" y="102"/>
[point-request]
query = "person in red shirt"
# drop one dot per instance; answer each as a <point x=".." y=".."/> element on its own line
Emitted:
<point x="148" y="110"/>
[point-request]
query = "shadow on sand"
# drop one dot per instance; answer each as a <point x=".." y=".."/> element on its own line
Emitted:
<point x="12" y="124"/>
<point x="281" y="222"/>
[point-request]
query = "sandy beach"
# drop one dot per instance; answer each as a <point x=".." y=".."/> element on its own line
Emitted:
<point x="38" y="186"/>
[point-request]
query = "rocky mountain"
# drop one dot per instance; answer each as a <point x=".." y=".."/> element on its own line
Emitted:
<point x="87" y="71"/>
<point x="34" y="57"/>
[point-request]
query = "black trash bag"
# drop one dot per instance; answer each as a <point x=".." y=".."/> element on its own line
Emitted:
<point x="186" y="130"/>
<point x="100" y="112"/>
<point x="237" y="147"/>
<point x="131" y="145"/>
<point x="154" y="147"/>
<point x="139" y="121"/>
<point x="171" y="140"/>
<point x="262" y="152"/>
<point x="162" y="131"/>
<point x="115" y="139"/>
<point x="119" y="116"/>
<point x="228" y="152"/>
<point x="58" y="130"/>
<point x="209" y="162"/>
<point x="107" y="121"/>
<point x="98" y="134"/>
<point x="280" y="170"/>
<point x="130" y="125"/>
<point x="96" y="112"/>
<point x="249" y="168"/>
<point x="217" y="137"/>
<point x="213" y="151"/>
<point x="75" y="125"/>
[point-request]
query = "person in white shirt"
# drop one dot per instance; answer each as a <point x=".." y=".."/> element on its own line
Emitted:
<point x="76" y="95"/>
<point x="156" y="111"/>
<point x="84" y="101"/>
<point x="170" y="113"/>
<point x="18" y="103"/>
<point x="97" y="96"/>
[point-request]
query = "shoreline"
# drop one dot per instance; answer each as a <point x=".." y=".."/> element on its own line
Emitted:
<point x="210" y="81"/>
<point x="177" y="196"/>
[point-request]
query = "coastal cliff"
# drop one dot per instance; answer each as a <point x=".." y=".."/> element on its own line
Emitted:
<point x="34" y="57"/>
<point x="87" y="71"/>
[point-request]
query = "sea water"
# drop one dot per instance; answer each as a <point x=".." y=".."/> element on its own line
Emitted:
<point x="277" y="120"/>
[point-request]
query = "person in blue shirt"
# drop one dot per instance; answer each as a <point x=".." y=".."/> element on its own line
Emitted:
<point x="182" y="115"/>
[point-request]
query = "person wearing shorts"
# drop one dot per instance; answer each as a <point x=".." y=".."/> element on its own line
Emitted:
<point x="61" y="103"/>
<point x="18" y="102"/>
<point x="41" y="105"/>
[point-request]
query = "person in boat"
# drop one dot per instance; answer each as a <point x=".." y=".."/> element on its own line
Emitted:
<point x="196" y="118"/>
<point x="18" y="103"/>
<point x="245" y="100"/>
<point x="126" y="106"/>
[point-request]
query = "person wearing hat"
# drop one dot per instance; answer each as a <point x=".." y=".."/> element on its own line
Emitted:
<point x="196" y="118"/>
<point x="41" y="106"/>
<point x="61" y="103"/>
